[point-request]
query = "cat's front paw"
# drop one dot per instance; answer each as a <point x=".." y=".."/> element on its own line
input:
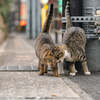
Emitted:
<point x="87" y="73"/>
<point x="41" y="73"/>
<point x="72" y="74"/>
<point x="57" y="75"/>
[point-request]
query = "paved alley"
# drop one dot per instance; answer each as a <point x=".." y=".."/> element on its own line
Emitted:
<point x="19" y="78"/>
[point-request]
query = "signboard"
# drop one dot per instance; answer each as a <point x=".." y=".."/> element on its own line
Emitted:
<point x="60" y="4"/>
<point x="44" y="1"/>
<point x="53" y="1"/>
<point x="23" y="11"/>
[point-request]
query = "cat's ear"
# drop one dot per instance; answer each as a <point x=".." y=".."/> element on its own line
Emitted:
<point x="47" y="55"/>
<point x="57" y="52"/>
<point x="47" y="58"/>
<point x="54" y="49"/>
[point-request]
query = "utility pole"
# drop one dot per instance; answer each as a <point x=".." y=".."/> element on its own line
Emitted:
<point x="33" y="27"/>
<point x="33" y="18"/>
<point x="38" y="18"/>
<point x="28" y="20"/>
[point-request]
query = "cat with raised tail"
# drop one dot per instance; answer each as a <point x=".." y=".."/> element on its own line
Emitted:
<point x="44" y="48"/>
<point x="73" y="46"/>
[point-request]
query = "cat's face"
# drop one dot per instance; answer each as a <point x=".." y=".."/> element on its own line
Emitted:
<point x="54" y="56"/>
<point x="58" y="52"/>
<point x="49" y="59"/>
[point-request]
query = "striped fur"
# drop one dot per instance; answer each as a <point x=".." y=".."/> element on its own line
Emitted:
<point x="67" y="15"/>
<point x="47" y="24"/>
<point x="44" y="48"/>
<point x="74" y="43"/>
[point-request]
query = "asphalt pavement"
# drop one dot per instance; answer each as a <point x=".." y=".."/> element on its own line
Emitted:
<point x="90" y="84"/>
<point x="19" y="78"/>
<point x="20" y="81"/>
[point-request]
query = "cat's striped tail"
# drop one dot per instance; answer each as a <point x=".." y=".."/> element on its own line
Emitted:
<point x="67" y="15"/>
<point x="47" y="24"/>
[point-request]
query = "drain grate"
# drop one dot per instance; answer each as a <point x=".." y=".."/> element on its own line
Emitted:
<point x="20" y="68"/>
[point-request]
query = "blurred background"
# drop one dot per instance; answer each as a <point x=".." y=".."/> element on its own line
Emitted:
<point x="26" y="17"/>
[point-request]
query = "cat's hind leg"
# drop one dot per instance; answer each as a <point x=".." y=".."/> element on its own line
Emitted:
<point x="85" y="68"/>
<point x="84" y="65"/>
<point x="45" y="68"/>
<point x="41" y="69"/>
<point x="72" y="68"/>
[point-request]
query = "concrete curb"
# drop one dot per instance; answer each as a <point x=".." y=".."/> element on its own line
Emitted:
<point x="76" y="88"/>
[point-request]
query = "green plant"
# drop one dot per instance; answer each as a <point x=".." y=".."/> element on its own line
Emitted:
<point x="4" y="30"/>
<point x="4" y="7"/>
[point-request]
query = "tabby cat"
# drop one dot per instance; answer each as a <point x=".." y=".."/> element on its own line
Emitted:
<point x="44" y="47"/>
<point x="73" y="45"/>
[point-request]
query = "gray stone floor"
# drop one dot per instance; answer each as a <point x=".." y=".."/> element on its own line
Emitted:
<point x="20" y="56"/>
<point x="90" y="84"/>
<point x="20" y="80"/>
<point x="18" y="52"/>
<point x="31" y="85"/>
